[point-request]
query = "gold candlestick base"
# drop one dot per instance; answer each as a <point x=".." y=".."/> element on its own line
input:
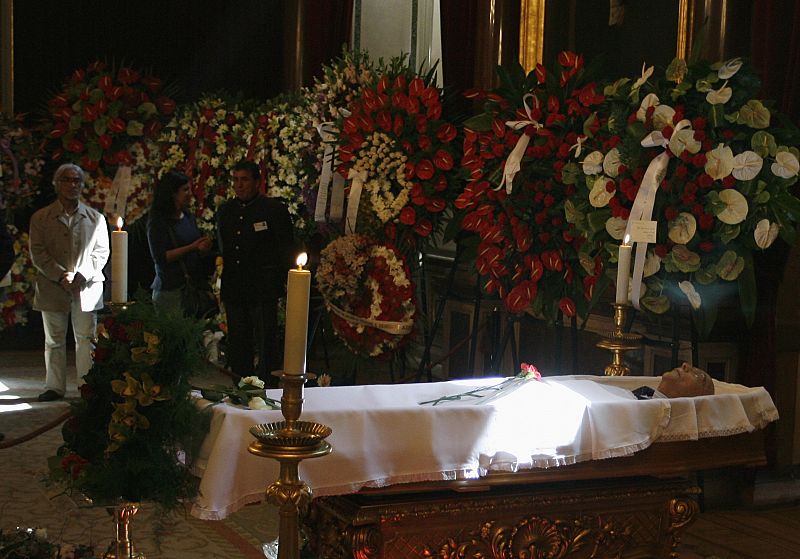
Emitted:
<point x="122" y="547"/>
<point x="289" y="442"/>
<point x="618" y="342"/>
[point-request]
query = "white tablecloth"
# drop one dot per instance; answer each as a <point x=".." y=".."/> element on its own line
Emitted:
<point x="382" y="436"/>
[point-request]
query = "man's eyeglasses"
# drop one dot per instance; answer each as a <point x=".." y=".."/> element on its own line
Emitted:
<point x="70" y="180"/>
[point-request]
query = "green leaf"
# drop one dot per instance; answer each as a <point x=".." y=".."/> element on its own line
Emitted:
<point x="707" y="275"/>
<point x="729" y="232"/>
<point x="597" y="219"/>
<point x="571" y="173"/>
<point x="100" y="125"/>
<point x="762" y="197"/>
<point x="657" y="304"/>
<point x="96" y="95"/>
<point x="75" y="122"/>
<point x="479" y="123"/>
<point x="94" y="151"/>
<point x="135" y="128"/>
<point x="147" y="109"/>
<point x="748" y="297"/>
<point x="571" y="213"/>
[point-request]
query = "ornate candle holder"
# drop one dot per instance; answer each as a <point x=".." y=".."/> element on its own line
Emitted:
<point x="122" y="547"/>
<point x="618" y="342"/>
<point x="290" y="442"/>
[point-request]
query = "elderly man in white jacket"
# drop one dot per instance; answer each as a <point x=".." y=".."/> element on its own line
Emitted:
<point x="69" y="247"/>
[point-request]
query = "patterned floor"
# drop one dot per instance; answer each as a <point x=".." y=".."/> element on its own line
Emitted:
<point x="25" y="501"/>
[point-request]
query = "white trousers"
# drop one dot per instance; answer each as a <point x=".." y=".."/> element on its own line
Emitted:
<point x="55" y="344"/>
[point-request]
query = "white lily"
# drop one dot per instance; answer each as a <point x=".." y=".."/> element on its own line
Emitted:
<point x="646" y="73"/>
<point x="663" y="116"/>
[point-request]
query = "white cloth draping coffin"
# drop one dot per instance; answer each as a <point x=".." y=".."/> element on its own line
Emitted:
<point x="382" y="436"/>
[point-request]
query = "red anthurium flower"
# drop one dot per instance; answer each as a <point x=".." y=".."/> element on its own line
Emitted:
<point x="423" y="228"/>
<point x="519" y="298"/>
<point x="59" y="100"/>
<point x="408" y="216"/>
<point x="74" y="145"/>
<point x="398" y="125"/>
<point x="105" y="141"/>
<point x="384" y="120"/>
<point x="416" y="87"/>
<point x="424" y="169"/>
<point x="127" y="75"/>
<point x="443" y="160"/>
<point x="541" y="74"/>
<point x="152" y="83"/>
<point x="59" y="130"/>
<point x="89" y="113"/>
<point x="567" y="307"/>
<point x="446" y="132"/>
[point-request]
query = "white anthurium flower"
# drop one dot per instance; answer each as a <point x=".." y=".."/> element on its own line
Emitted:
<point x="786" y="165"/>
<point x="683" y="140"/>
<point x="747" y="165"/>
<point x="611" y="163"/>
<point x="719" y="96"/>
<point x="663" y="116"/>
<point x="652" y="264"/>
<point x="719" y="162"/>
<point x="765" y="233"/>
<point x="650" y="100"/>
<point x="599" y="195"/>
<point x="593" y="163"/>
<point x="729" y="68"/>
<point x="257" y="403"/>
<point x="691" y="294"/>
<point x="646" y="73"/>
<point x="615" y="227"/>
<point x="682" y="228"/>
<point x="736" y="210"/>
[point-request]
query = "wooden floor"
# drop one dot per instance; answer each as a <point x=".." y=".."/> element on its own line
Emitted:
<point x="772" y="533"/>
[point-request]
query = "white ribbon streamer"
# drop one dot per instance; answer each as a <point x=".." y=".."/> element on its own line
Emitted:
<point x="353" y="200"/>
<point x="642" y="209"/>
<point x="388" y="326"/>
<point x="337" y="195"/>
<point x="512" y="165"/>
<point x="328" y="133"/>
<point x="117" y="199"/>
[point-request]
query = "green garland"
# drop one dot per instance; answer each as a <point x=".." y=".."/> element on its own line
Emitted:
<point x="135" y="429"/>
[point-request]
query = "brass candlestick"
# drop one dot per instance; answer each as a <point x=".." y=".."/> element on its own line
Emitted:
<point x="289" y="442"/>
<point x="619" y="341"/>
<point x="122" y="547"/>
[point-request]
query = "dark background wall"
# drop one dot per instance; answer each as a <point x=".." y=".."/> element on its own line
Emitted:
<point x="200" y="45"/>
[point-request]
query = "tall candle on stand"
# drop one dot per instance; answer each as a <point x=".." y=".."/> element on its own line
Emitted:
<point x="298" y="289"/>
<point x="119" y="264"/>
<point x="623" y="271"/>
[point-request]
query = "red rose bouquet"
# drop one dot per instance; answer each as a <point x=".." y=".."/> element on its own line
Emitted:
<point x="368" y="290"/>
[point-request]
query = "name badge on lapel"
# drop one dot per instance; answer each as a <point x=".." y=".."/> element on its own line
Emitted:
<point x="260" y="226"/>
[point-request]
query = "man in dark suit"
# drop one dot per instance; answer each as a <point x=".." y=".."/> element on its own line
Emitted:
<point x="255" y="238"/>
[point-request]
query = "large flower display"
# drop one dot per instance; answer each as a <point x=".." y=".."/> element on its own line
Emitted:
<point x="104" y="118"/>
<point x="715" y="166"/>
<point x="21" y="163"/>
<point x="205" y="140"/>
<point x="399" y="155"/>
<point x="368" y="290"/>
<point x="133" y="433"/>
<point x="303" y="136"/>
<point x="519" y="156"/>
<point x="16" y="296"/>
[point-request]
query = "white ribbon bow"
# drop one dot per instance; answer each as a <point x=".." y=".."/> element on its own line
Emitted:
<point x="642" y="209"/>
<point x="117" y="199"/>
<point x="512" y="165"/>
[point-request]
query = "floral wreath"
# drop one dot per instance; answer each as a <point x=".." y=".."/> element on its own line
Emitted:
<point x="205" y="140"/>
<point x="368" y="290"/>
<point x="518" y="157"/>
<point x="396" y="146"/>
<point x="16" y="297"/>
<point x="104" y="118"/>
<point x="724" y="170"/>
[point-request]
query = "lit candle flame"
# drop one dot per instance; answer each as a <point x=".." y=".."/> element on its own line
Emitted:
<point x="302" y="258"/>
<point x="627" y="240"/>
<point x="119" y="223"/>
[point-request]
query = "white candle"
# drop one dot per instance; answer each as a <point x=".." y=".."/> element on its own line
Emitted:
<point x="298" y="288"/>
<point x="623" y="271"/>
<point x="119" y="264"/>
